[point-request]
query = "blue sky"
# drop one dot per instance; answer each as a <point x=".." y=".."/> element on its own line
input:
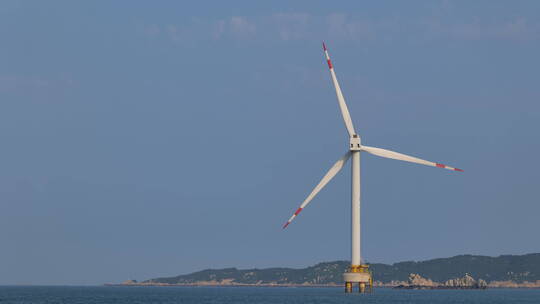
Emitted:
<point x="143" y="140"/>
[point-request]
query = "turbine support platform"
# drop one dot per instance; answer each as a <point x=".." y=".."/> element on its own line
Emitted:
<point x="361" y="275"/>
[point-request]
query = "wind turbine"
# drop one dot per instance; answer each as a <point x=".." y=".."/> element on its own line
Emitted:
<point x="358" y="272"/>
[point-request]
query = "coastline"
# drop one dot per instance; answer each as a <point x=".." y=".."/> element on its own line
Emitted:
<point x="492" y="285"/>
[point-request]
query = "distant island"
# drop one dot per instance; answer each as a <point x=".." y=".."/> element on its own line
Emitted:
<point x="462" y="271"/>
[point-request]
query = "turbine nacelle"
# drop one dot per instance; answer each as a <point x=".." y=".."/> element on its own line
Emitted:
<point x="354" y="143"/>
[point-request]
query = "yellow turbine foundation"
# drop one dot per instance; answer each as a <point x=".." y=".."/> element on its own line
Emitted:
<point x="348" y="287"/>
<point x="361" y="275"/>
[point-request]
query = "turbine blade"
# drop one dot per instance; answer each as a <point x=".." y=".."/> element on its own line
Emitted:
<point x="327" y="177"/>
<point x="341" y="99"/>
<point x="399" y="156"/>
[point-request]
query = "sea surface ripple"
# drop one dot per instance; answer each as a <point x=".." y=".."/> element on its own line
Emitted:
<point x="253" y="295"/>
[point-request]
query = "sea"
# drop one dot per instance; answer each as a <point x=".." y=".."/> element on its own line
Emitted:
<point x="253" y="295"/>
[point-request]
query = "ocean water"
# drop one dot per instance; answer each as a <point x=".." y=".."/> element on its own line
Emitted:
<point x="255" y="295"/>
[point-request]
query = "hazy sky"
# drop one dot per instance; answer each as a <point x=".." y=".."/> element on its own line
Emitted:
<point x="143" y="139"/>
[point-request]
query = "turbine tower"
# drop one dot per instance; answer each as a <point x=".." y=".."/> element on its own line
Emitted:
<point x="357" y="273"/>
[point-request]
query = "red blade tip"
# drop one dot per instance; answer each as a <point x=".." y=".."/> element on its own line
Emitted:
<point x="324" y="46"/>
<point x="286" y="224"/>
<point x="458" y="170"/>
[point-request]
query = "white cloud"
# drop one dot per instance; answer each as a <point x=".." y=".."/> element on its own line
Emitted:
<point x="343" y="27"/>
<point x="516" y="29"/>
<point x="241" y="27"/>
<point x="291" y="26"/>
<point x="219" y="29"/>
<point x="520" y="28"/>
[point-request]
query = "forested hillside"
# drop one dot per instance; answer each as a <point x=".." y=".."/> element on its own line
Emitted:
<point x="517" y="268"/>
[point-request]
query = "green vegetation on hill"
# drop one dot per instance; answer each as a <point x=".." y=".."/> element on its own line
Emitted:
<point x="517" y="268"/>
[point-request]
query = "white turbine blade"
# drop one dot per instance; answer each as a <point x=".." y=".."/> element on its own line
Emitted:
<point x="329" y="175"/>
<point x="341" y="99"/>
<point x="399" y="156"/>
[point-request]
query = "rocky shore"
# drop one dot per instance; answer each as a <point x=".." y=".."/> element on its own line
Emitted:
<point x="224" y="283"/>
<point x="416" y="281"/>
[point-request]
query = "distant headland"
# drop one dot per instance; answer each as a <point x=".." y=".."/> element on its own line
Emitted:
<point x="462" y="271"/>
